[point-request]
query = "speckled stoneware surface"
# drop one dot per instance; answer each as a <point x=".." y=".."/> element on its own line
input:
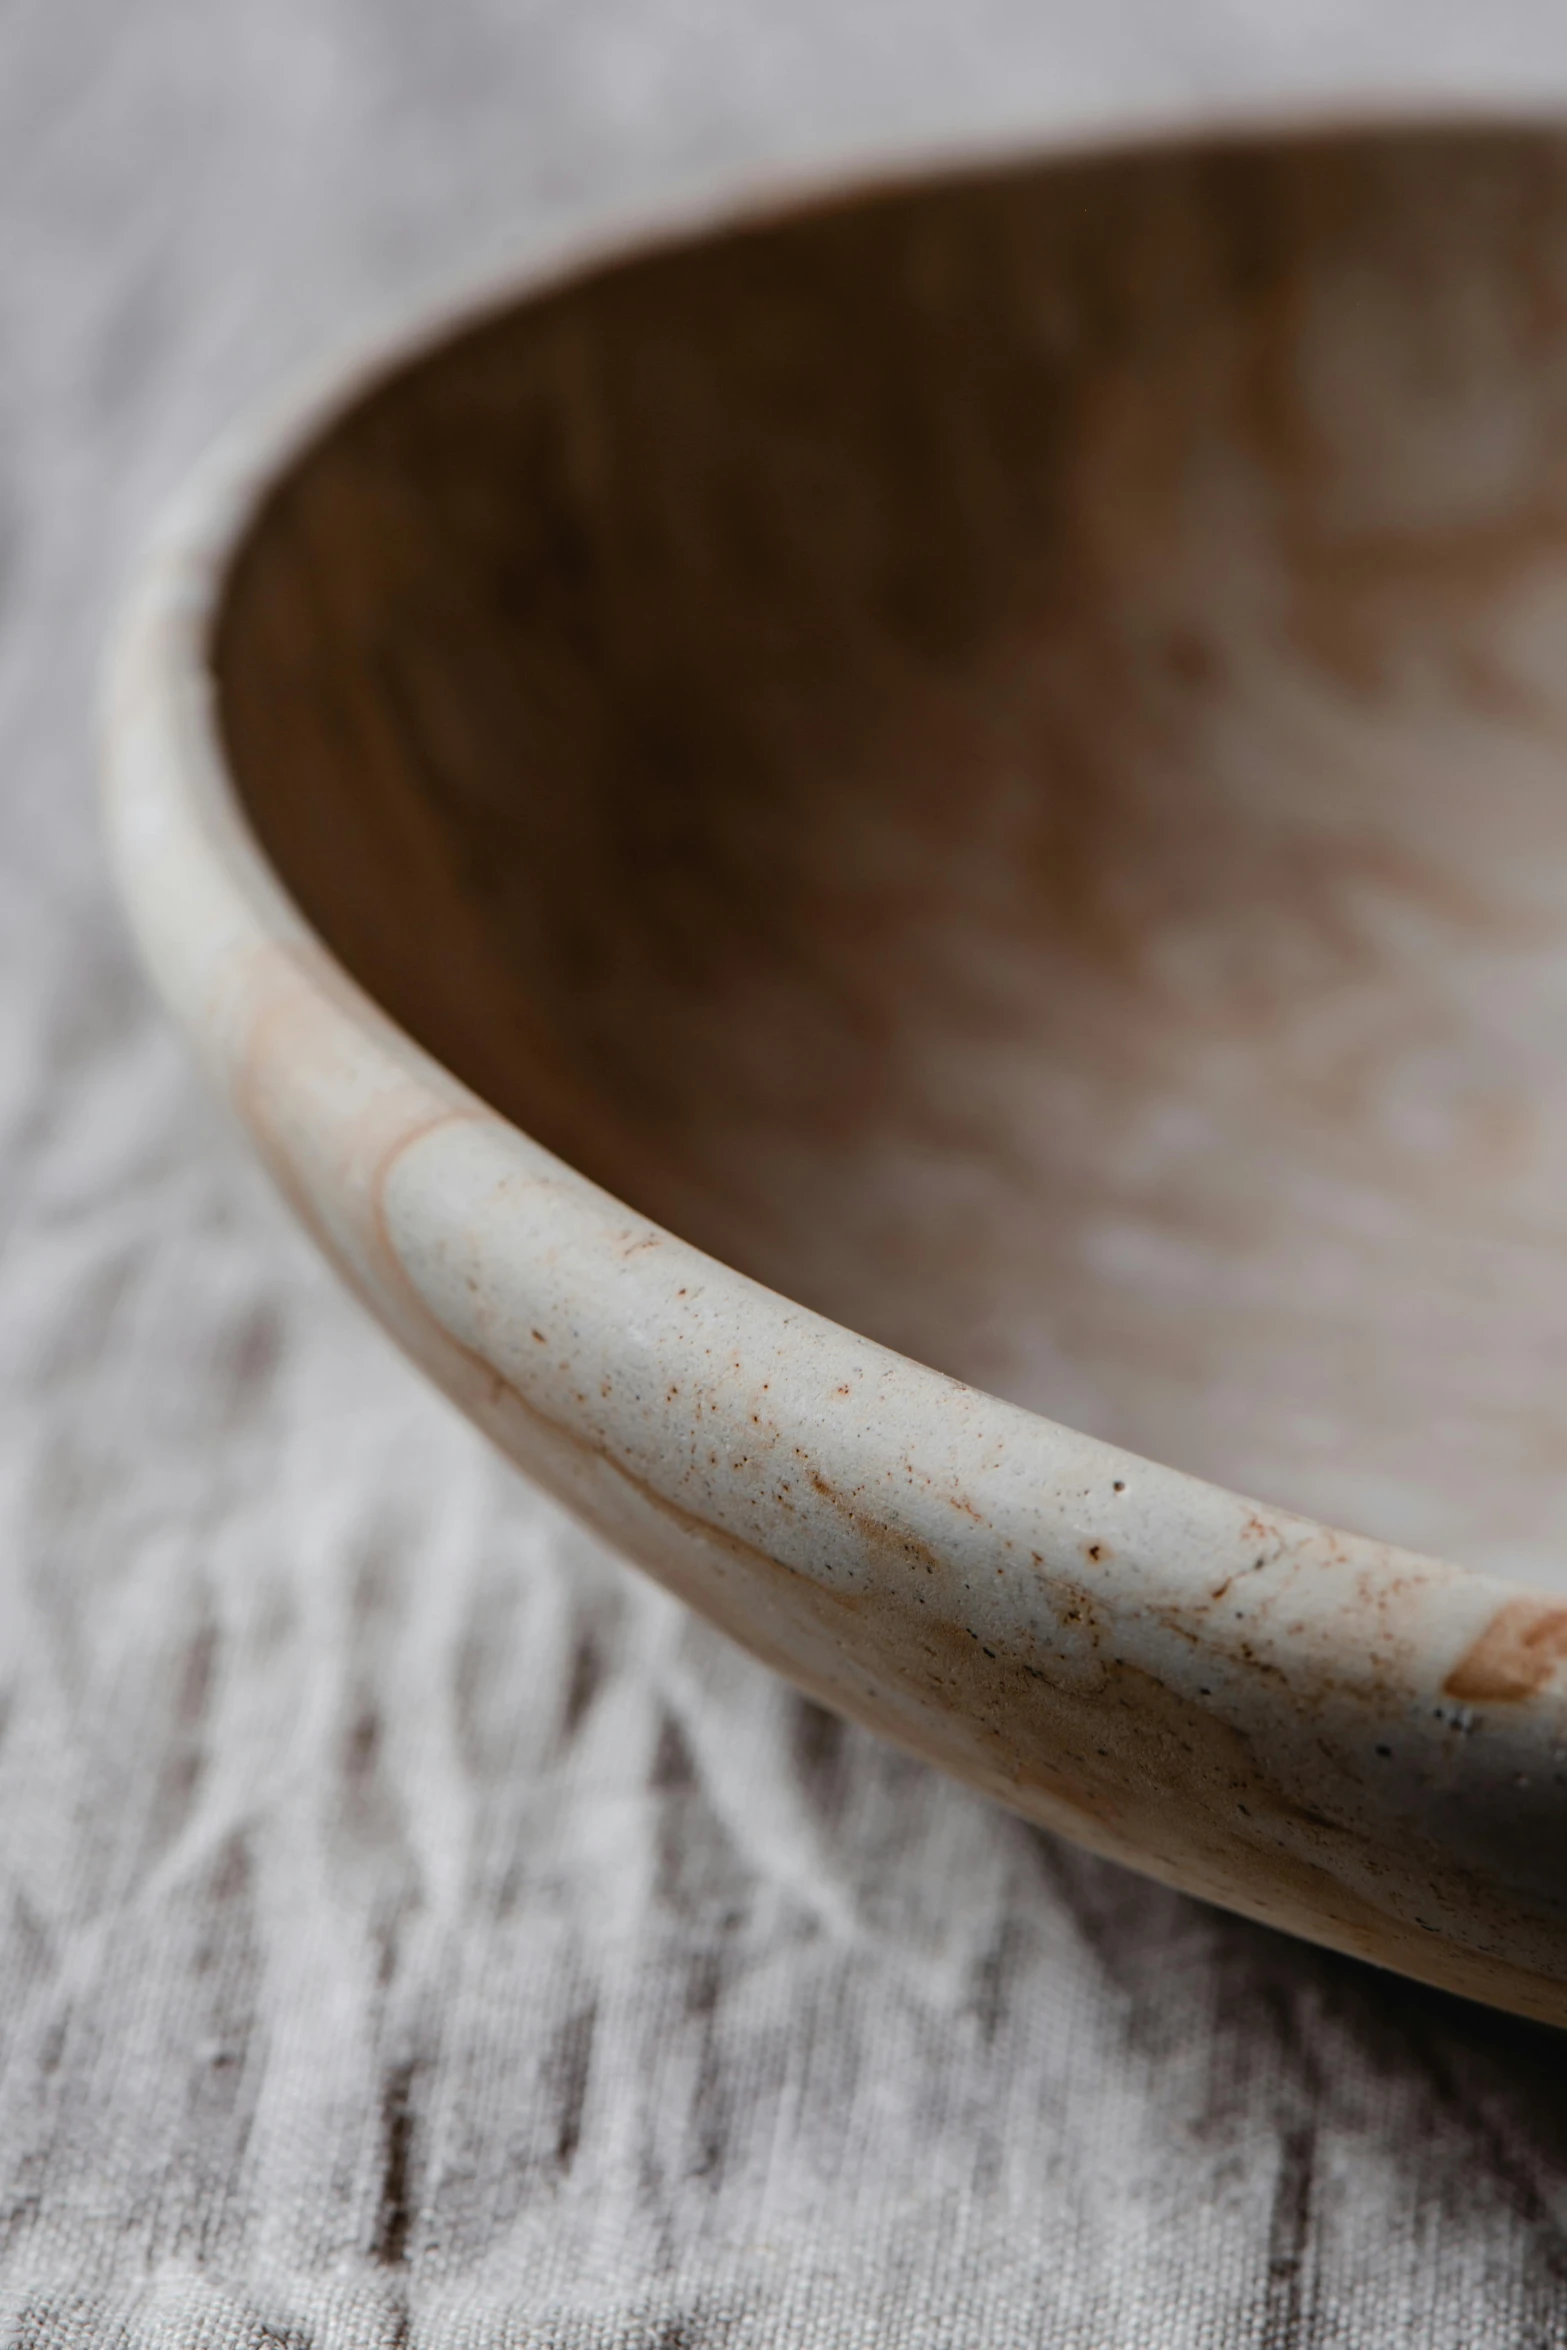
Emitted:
<point x="877" y="869"/>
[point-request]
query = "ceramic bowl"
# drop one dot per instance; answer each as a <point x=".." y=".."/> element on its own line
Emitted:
<point x="892" y="880"/>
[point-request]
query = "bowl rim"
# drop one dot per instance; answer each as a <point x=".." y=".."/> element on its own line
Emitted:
<point x="1261" y="1619"/>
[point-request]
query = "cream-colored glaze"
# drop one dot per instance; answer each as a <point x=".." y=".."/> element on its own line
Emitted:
<point x="993" y="759"/>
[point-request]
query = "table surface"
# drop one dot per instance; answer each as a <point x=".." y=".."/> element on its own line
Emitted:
<point x="414" y="1928"/>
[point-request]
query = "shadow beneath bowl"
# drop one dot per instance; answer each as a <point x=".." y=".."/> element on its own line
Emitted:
<point x="1364" y="2097"/>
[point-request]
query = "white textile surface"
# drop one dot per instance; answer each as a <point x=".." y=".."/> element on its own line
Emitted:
<point x="415" y="1929"/>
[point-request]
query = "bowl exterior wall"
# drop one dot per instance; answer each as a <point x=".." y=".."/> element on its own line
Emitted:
<point x="1348" y="1741"/>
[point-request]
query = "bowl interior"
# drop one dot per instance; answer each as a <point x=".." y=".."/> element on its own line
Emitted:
<point x="996" y="755"/>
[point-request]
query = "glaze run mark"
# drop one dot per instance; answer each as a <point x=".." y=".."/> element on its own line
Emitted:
<point x="877" y="1536"/>
<point x="1514" y="1656"/>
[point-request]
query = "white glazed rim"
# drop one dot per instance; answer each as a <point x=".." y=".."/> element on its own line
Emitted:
<point x="1266" y="1617"/>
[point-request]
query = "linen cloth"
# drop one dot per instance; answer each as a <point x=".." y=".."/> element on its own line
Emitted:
<point x="414" y="1928"/>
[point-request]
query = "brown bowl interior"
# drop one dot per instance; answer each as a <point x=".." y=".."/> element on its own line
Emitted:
<point x="996" y="755"/>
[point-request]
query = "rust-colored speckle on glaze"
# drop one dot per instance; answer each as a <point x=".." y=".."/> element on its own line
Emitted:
<point x="1517" y="1653"/>
<point x="839" y="865"/>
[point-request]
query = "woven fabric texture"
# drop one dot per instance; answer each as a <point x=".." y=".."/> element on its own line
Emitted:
<point x="415" y="1929"/>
